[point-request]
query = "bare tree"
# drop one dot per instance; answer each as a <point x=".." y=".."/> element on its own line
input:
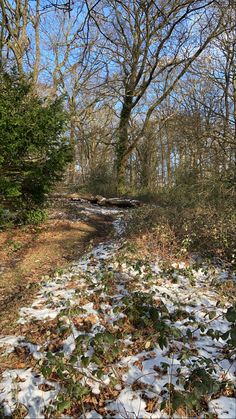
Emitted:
<point x="147" y="43"/>
<point x="75" y="68"/>
<point x="15" y="19"/>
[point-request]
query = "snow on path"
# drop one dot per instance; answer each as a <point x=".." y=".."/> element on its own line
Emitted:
<point x="99" y="297"/>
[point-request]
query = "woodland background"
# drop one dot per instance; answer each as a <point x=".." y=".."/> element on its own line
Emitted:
<point x="117" y="312"/>
<point x="137" y="98"/>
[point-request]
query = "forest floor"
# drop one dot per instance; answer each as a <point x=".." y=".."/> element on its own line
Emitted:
<point x="31" y="254"/>
<point x="120" y="332"/>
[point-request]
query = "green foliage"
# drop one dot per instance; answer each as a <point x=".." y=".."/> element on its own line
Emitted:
<point x="106" y="349"/>
<point x="71" y="371"/>
<point x="230" y="335"/>
<point x="231" y="314"/>
<point x="199" y="385"/>
<point x="144" y="315"/>
<point x="34" y="216"/>
<point x="14" y="245"/>
<point x="69" y="377"/>
<point x="33" y="150"/>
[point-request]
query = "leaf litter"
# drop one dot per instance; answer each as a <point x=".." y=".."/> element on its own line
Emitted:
<point x="128" y="338"/>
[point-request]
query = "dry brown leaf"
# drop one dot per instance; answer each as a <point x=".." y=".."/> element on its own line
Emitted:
<point x="151" y="405"/>
<point x="139" y="365"/>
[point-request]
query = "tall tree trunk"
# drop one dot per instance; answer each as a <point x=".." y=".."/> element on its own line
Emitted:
<point x="19" y="63"/>
<point x="2" y="28"/>
<point x="72" y="165"/>
<point x="162" y="158"/>
<point x="37" y="44"/>
<point x="122" y="147"/>
<point x="234" y="101"/>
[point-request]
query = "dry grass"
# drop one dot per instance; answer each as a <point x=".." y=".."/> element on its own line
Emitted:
<point x="175" y="232"/>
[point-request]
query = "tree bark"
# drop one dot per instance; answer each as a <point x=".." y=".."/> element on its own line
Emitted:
<point x="37" y="44"/>
<point x="122" y="146"/>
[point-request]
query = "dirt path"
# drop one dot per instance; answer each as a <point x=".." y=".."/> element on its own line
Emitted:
<point x="28" y="255"/>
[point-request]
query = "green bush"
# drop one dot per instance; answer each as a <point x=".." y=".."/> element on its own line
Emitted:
<point x="6" y="216"/>
<point x="33" y="150"/>
<point x="35" y="216"/>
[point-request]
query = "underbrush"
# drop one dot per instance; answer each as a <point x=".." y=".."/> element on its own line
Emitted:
<point x="34" y="216"/>
<point x="101" y="181"/>
<point x="93" y="373"/>
<point x="9" y="218"/>
<point x="130" y="331"/>
<point x="171" y="226"/>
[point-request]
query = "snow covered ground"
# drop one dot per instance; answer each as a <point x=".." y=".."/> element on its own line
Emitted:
<point x="135" y="339"/>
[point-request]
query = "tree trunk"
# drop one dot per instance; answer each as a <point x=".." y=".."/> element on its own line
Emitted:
<point x="37" y="44"/>
<point x="19" y="63"/>
<point x="122" y="147"/>
<point x="3" y="17"/>
<point x="234" y="111"/>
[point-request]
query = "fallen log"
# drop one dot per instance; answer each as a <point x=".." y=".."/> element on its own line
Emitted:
<point x="102" y="201"/>
<point x="121" y="202"/>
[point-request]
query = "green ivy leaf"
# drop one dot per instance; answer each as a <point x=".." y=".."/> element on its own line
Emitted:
<point x="46" y="371"/>
<point x="85" y="361"/>
<point x="231" y="314"/>
<point x="178" y="400"/>
<point x="63" y="405"/>
<point x="189" y="333"/>
<point x="80" y="391"/>
<point x="99" y="373"/>
<point x="113" y="381"/>
<point x="225" y="335"/>
<point x="97" y="360"/>
<point x="82" y="339"/>
<point x="109" y="338"/>
<point x="73" y="359"/>
<point x="50" y="356"/>
<point x="212" y="314"/>
<point x="233" y="336"/>
<point x="163" y="405"/>
<point x="162" y="341"/>
<point x="191" y="399"/>
<point x="60" y="373"/>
